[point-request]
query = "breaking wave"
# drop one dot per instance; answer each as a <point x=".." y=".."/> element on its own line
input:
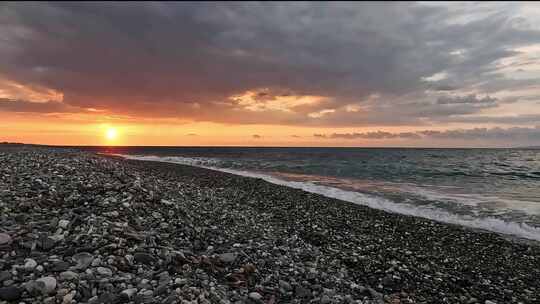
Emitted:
<point x="497" y="225"/>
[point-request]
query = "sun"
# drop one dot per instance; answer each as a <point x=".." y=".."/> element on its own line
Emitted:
<point x="111" y="134"/>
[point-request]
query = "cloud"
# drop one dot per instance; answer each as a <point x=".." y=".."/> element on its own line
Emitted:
<point x="375" y="135"/>
<point x="523" y="119"/>
<point x="469" y="99"/>
<point x="294" y="64"/>
<point x="256" y="136"/>
<point x="496" y="133"/>
<point x="23" y="106"/>
<point x="514" y="133"/>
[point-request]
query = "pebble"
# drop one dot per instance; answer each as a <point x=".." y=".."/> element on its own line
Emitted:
<point x="144" y="258"/>
<point x="129" y="293"/>
<point x="4" y="275"/>
<point x="5" y="239"/>
<point x="46" y="285"/>
<point x="10" y="293"/>
<point x="255" y="296"/>
<point x="68" y="298"/>
<point x="325" y="299"/>
<point x="68" y="276"/>
<point x="284" y="285"/>
<point x="228" y="257"/>
<point x="112" y="238"/>
<point x="46" y="243"/>
<point x="83" y="260"/>
<point x="63" y="224"/>
<point x="103" y="271"/>
<point x="30" y="264"/>
<point x="302" y="292"/>
<point x="60" y="266"/>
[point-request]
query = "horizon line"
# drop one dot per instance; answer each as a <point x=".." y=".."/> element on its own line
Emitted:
<point x="240" y="146"/>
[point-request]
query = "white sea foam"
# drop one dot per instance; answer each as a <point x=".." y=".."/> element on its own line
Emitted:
<point x="486" y="223"/>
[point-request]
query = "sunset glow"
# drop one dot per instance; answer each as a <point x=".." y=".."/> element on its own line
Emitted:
<point x="242" y="85"/>
<point x="111" y="134"/>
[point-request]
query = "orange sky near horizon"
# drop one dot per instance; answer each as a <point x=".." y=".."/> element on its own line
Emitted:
<point x="36" y="129"/>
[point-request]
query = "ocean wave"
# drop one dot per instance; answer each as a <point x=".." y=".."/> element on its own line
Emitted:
<point x="485" y="223"/>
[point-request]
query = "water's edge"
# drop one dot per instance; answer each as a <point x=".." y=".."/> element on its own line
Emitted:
<point x="519" y="230"/>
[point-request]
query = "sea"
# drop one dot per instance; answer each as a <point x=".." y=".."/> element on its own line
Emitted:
<point x="491" y="189"/>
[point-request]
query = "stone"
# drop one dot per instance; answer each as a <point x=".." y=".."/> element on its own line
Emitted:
<point x="166" y="202"/>
<point x="144" y="258"/>
<point x="284" y="285"/>
<point x="103" y="271"/>
<point x="325" y="299"/>
<point x="490" y="302"/>
<point x="107" y="297"/>
<point x="63" y="224"/>
<point x="161" y="289"/>
<point x="146" y="296"/>
<point x="375" y="295"/>
<point x="96" y="262"/>
<point x="255" y="296"/>
<point x="46" y="243"/>
<point x="62" y="292"/>
<point x="164" y="277"/>
<point x="129" y="293"/>
<point x="32" y="288"/>
<point x="10" y="293"/>
<point x="69" y="276"/>
<point x="4" y="275"/>
<point x="68" y="298"/>
<point x="83" y="260"/>
<point x="302" y="292"/>
<point x="46" y="285"/>
<point x="5" y="239"/>
<point x="30" y="264"/>
<point x="228" y="257"/>
<point x="60" y="266"/>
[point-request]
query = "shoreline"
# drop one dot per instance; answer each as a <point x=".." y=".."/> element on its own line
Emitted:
<point x="450" y="220"/>
<point x="214" y="237"/>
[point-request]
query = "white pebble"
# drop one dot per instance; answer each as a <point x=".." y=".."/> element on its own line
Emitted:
<point x="30" y="264"/>
<point x="255" y="296"/>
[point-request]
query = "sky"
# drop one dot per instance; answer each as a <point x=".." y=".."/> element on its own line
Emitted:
<point x="413" y="74"/>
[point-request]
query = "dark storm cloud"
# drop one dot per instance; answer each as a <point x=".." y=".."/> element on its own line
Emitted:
<point x="23" y="106"/>
<point x="186" y="60"/>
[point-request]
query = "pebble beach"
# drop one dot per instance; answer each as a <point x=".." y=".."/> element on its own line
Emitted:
<point x="79" y="227"/>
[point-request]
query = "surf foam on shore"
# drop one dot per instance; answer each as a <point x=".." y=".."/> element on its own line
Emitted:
<point x="521" y="230"/>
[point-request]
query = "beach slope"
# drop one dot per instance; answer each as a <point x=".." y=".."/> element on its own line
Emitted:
<point x="77" y="227"/>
